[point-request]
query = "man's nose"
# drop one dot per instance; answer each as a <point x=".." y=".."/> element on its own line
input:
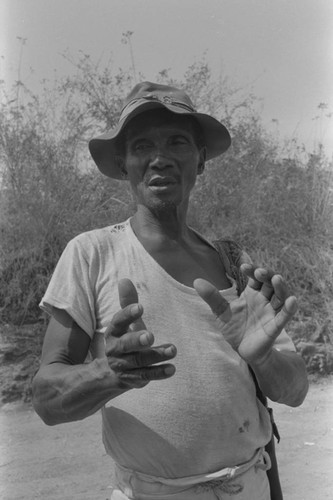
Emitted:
<point x="160" y="160"/>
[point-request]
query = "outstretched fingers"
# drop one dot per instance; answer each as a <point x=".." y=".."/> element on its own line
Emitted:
<point x="272" y="286"/>
<point x="281" y="292"/>
<point x="128" y="295"/>
<point x="259" y="279"/>
<point x="210" y="294"/>
<point x="287" y="311"/>
<point x="124" y="318"/>
<point x="144" y="358"/>
<point x="129" y="342"/>
<point x="129" y="345"/>
<point x="140" y="377"/>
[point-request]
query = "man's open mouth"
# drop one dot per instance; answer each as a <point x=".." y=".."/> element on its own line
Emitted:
<point x="159" y="181"/>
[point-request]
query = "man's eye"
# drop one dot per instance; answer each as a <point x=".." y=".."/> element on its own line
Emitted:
<point x="178" y="141"/>
<point x="143" y="146"/>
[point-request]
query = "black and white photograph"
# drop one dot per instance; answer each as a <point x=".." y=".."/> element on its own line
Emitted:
<point x="166" y="250"/>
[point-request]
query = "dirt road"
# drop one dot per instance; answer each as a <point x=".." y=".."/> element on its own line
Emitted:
<point x="68" y="462"/>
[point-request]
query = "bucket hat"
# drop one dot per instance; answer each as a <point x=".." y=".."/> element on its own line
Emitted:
<point x="146" y="96"/>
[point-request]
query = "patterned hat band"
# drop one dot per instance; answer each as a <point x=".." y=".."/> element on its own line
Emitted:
<point x="165" y="99"/>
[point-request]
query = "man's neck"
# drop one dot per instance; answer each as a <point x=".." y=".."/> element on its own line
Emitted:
<point x="161" y="227"/>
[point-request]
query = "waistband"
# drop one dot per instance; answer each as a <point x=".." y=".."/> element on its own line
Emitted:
<point x="130" y="481"/>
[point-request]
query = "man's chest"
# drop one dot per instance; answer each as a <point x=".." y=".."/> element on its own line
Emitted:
<point x="186" y="265"/>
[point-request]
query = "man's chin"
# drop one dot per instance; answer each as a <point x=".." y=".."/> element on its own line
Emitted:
<point x="163" y="206"/>
<point x="160" y="203"/>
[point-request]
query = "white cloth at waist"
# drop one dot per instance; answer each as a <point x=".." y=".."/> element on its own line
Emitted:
<point x="132" y="483"/>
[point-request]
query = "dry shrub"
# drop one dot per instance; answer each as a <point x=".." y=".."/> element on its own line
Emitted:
<point x="279" y="208"/>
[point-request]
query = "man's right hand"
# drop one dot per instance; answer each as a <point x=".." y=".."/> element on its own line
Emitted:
<point x="66" y="388"/>
<point x="129" y="346"/>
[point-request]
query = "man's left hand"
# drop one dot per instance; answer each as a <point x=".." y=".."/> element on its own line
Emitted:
<point x="252" y="323"/>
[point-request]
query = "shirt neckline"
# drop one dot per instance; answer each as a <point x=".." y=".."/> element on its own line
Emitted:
<point x="226" y="291"/>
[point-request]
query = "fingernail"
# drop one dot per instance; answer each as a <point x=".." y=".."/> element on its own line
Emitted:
<point x="146" y="339"/>
<point x="135" y="309"/>
<point x="170" y="351"/>
<point x="169" y="370"/>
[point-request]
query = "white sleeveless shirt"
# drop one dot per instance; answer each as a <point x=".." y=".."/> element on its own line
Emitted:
<point x="204" y="418"/>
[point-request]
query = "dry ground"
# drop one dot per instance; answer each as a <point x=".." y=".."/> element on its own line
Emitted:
<point x="68" y="462"/>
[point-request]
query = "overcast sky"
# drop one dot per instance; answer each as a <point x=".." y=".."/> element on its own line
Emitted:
<point x="281" y="49"/>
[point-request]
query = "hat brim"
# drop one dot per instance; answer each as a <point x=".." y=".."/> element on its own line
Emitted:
<point x="103" y="148"/>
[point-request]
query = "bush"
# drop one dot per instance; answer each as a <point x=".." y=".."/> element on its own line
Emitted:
<point x="279" y="208"/>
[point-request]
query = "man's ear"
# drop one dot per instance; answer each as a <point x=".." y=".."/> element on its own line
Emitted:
<point x="202" y="159"/>
<point x="121" y="165"/>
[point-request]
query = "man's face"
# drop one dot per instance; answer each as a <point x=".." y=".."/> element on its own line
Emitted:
<point x="162" y="159"/>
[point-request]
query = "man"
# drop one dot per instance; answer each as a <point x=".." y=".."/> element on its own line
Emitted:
<point x="148" y="304"/>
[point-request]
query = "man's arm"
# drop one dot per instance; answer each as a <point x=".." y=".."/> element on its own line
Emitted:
<point x="67" y="389"/>
<point x="282" y="377"/>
